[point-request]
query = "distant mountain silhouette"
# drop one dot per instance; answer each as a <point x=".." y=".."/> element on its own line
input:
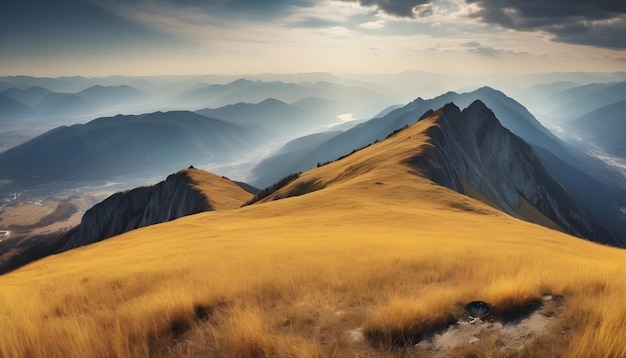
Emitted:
<point x="319" y="105"/>
<point x="271" y="114"/>
<point x="246" y="91"/>
<point x="605" y="128"/>
<point x="110" y="94"/>
<point x="12" y="110"/>
<point x="67" y="104"/>
<point x="31" y="96"/>
<point x="577" y="101"/>
<point x="112" y="145"/>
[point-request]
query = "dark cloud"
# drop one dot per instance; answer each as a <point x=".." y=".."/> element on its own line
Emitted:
<point x="600" y="23"/>
<point x="260" y="10"/>
<point x="41" y="27"/>
<point x="399" y="8"/>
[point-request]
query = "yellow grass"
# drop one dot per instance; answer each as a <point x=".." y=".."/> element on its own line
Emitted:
<point x="380" y="249"/>
<point x="222" y="194"/>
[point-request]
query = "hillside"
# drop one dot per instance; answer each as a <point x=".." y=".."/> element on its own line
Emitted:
<point x="110" y="146"/>
<point x="511" y="114"/>
<point x="604" y="128"/>
<point x="186" y="192"/>
<point x="362" y="257"/>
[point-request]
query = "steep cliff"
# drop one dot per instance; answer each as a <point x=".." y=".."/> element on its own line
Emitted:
<point x="471" y="153"/>
<point x="187" y="192"/>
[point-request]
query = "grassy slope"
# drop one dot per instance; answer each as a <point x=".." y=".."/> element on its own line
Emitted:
<point x="222" y="193"/>
<point x="379" y="248"/>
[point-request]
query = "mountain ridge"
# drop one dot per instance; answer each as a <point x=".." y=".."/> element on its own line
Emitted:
<point x="186" y="192"/>
<point x="459" y="149"/>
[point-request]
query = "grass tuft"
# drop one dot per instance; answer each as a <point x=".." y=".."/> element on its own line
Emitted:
<point x="406" y="321"/>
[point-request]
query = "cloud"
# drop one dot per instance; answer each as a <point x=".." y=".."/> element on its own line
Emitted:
<point x="399" y="8"/>
<point x="236" y="10"/>
<point x="471" y="44"/>
<point x="599" y="23"/>
<point x="373" y="25"/>
<point x="477" y="48"/>
<point x="43" y="27"/>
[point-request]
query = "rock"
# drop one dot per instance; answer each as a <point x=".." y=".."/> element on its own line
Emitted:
<point x="477" y="309"/>
<point x="473" y="154"/>
<point x="121" y="212"/>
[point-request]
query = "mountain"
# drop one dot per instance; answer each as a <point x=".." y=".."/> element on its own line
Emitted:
<point x="512" y="115"/>
<point x="31" y="96"/>
<point x="577" y="101"/>
<point x="471" y="153"/>
<point x="66" y="104"/>
<point x="605" y="128"/>
<point x="270" y="114"/>
<point x="535" y="96"/>
<point x="246" y="91"/>
<point x="367" y="257"/>
<point x="326" y="107"/>
<point x="186" y="192"/>
<point x="113" y="95"/>
<point x="12" y="110"/>
<point x="109" y="146"/>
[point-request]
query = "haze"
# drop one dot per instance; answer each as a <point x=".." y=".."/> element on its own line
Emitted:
<point x="157" y="37"/>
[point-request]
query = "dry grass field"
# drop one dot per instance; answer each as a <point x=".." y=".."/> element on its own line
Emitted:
<point x="372" y="260"/>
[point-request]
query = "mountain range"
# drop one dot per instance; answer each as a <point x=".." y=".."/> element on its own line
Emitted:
<point x="109" y="146"/>
<point x="376" y="252"/>
<point x="467" y="151"/>
<point x="272" y="115"/>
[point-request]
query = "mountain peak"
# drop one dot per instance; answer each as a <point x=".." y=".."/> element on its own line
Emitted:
<point x="186" y="192"/>
<point x="478" y="105"/>
<point x="471" y="153"/>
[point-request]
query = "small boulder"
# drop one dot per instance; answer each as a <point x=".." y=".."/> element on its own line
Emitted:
<point x="477" y="309"/>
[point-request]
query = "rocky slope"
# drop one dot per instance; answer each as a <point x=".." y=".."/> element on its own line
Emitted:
<point x="473" y="154"/>
<point x="187" y="192"/>
<point x="177" y="196"/>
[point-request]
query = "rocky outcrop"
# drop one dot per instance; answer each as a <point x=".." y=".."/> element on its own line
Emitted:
<point x="121" y="212"/>
<point x="473" y="154"/>
<point x="187" y="192"/>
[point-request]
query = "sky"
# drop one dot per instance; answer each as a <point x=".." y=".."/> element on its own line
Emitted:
<point x="171" y="37"/>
